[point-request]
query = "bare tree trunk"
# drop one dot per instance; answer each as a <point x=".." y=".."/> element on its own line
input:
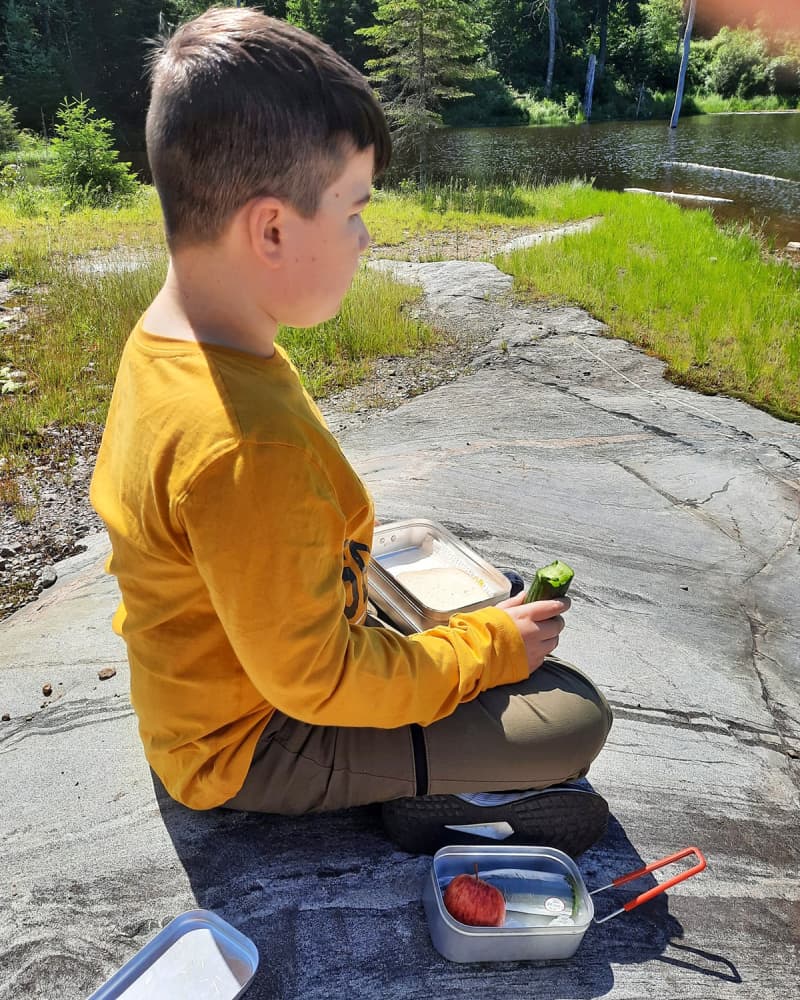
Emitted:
<point x="601" y="58"/>
<point x="587" y="100"/>
<point x="687" y="42"/>
<point x="552" y="19"/>
<point x="423" y="144"/>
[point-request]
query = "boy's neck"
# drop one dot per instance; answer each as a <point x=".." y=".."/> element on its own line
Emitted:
<point x="205" y="300"/>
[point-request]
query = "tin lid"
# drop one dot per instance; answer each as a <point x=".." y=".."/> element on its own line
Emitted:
<point x="198" y="954"/>
<point x="424" y="572"/>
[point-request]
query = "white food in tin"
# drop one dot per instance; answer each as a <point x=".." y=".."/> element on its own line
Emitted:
<point x="442" y="588"/>
<point x="193" y="966"/>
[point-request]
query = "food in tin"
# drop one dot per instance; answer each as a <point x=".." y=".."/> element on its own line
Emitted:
<point x="472" y="901"/>
<point x="442" y="587"/>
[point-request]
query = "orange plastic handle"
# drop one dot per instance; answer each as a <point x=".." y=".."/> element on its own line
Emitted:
<point x="663" y="886"/>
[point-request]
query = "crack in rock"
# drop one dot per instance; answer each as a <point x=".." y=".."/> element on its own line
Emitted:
<point x="742" y="732"/>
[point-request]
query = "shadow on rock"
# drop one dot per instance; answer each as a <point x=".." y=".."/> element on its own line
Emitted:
<point x="336" y="911"/>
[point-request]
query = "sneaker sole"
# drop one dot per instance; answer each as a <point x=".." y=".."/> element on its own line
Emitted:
<point x="570" y="821"/>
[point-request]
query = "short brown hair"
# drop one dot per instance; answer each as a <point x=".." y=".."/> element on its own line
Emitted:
<point x="244" y="105"/>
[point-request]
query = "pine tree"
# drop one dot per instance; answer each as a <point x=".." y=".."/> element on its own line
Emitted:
<point x="429" y="47"/>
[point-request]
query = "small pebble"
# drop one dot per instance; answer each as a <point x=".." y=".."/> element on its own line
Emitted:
<point x="106" y="673"/>
<point x="5" y="717"/>
<point x="47" y="690"/>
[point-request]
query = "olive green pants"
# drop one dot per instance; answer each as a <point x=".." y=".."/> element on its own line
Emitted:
<point x="545" y="730"/>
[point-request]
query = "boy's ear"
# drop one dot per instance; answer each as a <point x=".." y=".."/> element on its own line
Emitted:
<point x="266" y="229"/>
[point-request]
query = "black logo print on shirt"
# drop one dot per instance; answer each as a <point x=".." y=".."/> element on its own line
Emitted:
<point x="354" y="577"/>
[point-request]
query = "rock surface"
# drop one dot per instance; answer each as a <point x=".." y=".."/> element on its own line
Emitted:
<point x="679" y="515"/>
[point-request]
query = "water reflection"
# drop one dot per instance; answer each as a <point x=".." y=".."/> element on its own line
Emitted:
<point x="640" y="154"/>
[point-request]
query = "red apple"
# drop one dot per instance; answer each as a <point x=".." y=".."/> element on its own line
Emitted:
<point x="472" y="901"/>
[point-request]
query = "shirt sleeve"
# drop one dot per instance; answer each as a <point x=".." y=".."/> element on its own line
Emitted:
<point x="267" y="531"/>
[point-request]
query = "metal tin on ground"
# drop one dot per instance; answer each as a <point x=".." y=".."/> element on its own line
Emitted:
<point x="198" y="954"/>
<point x="461" y="943"/>
<point x="420" y="575"/>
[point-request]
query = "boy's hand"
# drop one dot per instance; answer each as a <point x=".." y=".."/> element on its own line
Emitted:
<point x="539" y="624"/>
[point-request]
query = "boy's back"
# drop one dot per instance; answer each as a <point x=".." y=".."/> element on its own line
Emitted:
<point x="197" y="480"/>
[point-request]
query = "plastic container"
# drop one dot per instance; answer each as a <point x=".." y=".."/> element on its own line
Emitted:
<point x="197" y="955"/>
<point x="572" y="913"/>
<point x="420" y="575"/>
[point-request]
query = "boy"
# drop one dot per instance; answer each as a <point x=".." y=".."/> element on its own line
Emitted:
<point x="241" y="535"/>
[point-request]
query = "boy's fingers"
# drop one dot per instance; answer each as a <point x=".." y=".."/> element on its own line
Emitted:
<point x="512" y="602"/>
<point x="541" y="610"/>
<point x="551" y="627"/>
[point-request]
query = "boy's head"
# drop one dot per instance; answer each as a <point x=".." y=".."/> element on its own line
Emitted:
<point x="246" y="106"/>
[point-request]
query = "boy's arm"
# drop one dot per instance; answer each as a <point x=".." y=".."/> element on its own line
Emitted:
<point x="267" y="531"/>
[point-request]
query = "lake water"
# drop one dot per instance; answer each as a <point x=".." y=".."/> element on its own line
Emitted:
<point x="641" y="154"/>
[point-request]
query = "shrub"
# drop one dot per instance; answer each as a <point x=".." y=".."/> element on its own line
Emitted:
<point x="85" y="167"/>
<point x="738" y="66"/>
<point x="8" y="127"/>
<point x="492" y="101"/>
<point x="784" y="75"/>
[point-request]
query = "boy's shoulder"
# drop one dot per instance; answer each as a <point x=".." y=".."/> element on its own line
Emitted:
<point x="208" y="391"/>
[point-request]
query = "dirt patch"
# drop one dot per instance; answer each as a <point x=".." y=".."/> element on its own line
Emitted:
<point x="453" y="244"/>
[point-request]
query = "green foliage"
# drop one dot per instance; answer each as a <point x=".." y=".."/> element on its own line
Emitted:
<point x="784" y="75"/>
<point x="31" y="69"/>
<point x="10" y="177"/>
<point x="493" y="102"/>
<point x="9" y="134"/>
<point x="738" y="65"/>
<point x="85" y="166"/>
<point x="545" y="111"/>
<point x="660" y="37"/>
<point x="52" y="49"/>
<point x="429" y="47"/>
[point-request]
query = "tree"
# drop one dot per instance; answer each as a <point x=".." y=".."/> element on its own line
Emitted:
<point x="85" y="167"/>
<point x="687" y="41"/>
<point x="603" y="17"/>
<point x="660" y="35"/>
<point x="336" y="22"/>
<point x="33" y="77"/>
<point x="739" y="63"/>
<point x="429" y="47"/>
<point x="552" y="25"/>
<point x="9" y="134"/>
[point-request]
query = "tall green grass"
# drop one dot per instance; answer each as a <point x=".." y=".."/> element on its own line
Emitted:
<point x="78" y="321"/>
<point x="395" y="214"/>
<point x="669" y="280"/>
<point x="710" y="104"/>
<point x="372" y="322"/>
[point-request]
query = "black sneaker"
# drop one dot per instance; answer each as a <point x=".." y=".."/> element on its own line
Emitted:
<point x="567" y="817"/>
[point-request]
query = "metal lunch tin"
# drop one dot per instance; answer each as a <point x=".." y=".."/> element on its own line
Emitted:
<point x="198" y="954"/>
<point x="565" y="897"/>
<point x="406" y="558"/>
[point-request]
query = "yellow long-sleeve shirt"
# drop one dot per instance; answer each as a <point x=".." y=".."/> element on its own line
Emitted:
<point x="240" y="537"/>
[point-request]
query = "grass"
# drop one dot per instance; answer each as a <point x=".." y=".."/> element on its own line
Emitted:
<point x="372" y="322"/>
<point x="544" y="111"/>
<point x="78" y="321"/>
<point x="712" y="104"/>
<point x="394" y="216"/>
<point x="669" y="280"/>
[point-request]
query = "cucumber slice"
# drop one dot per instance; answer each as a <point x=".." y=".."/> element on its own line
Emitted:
<point x="550" y="581"/>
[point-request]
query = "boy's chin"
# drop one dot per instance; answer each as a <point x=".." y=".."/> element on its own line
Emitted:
<point x="306" y="321"/>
